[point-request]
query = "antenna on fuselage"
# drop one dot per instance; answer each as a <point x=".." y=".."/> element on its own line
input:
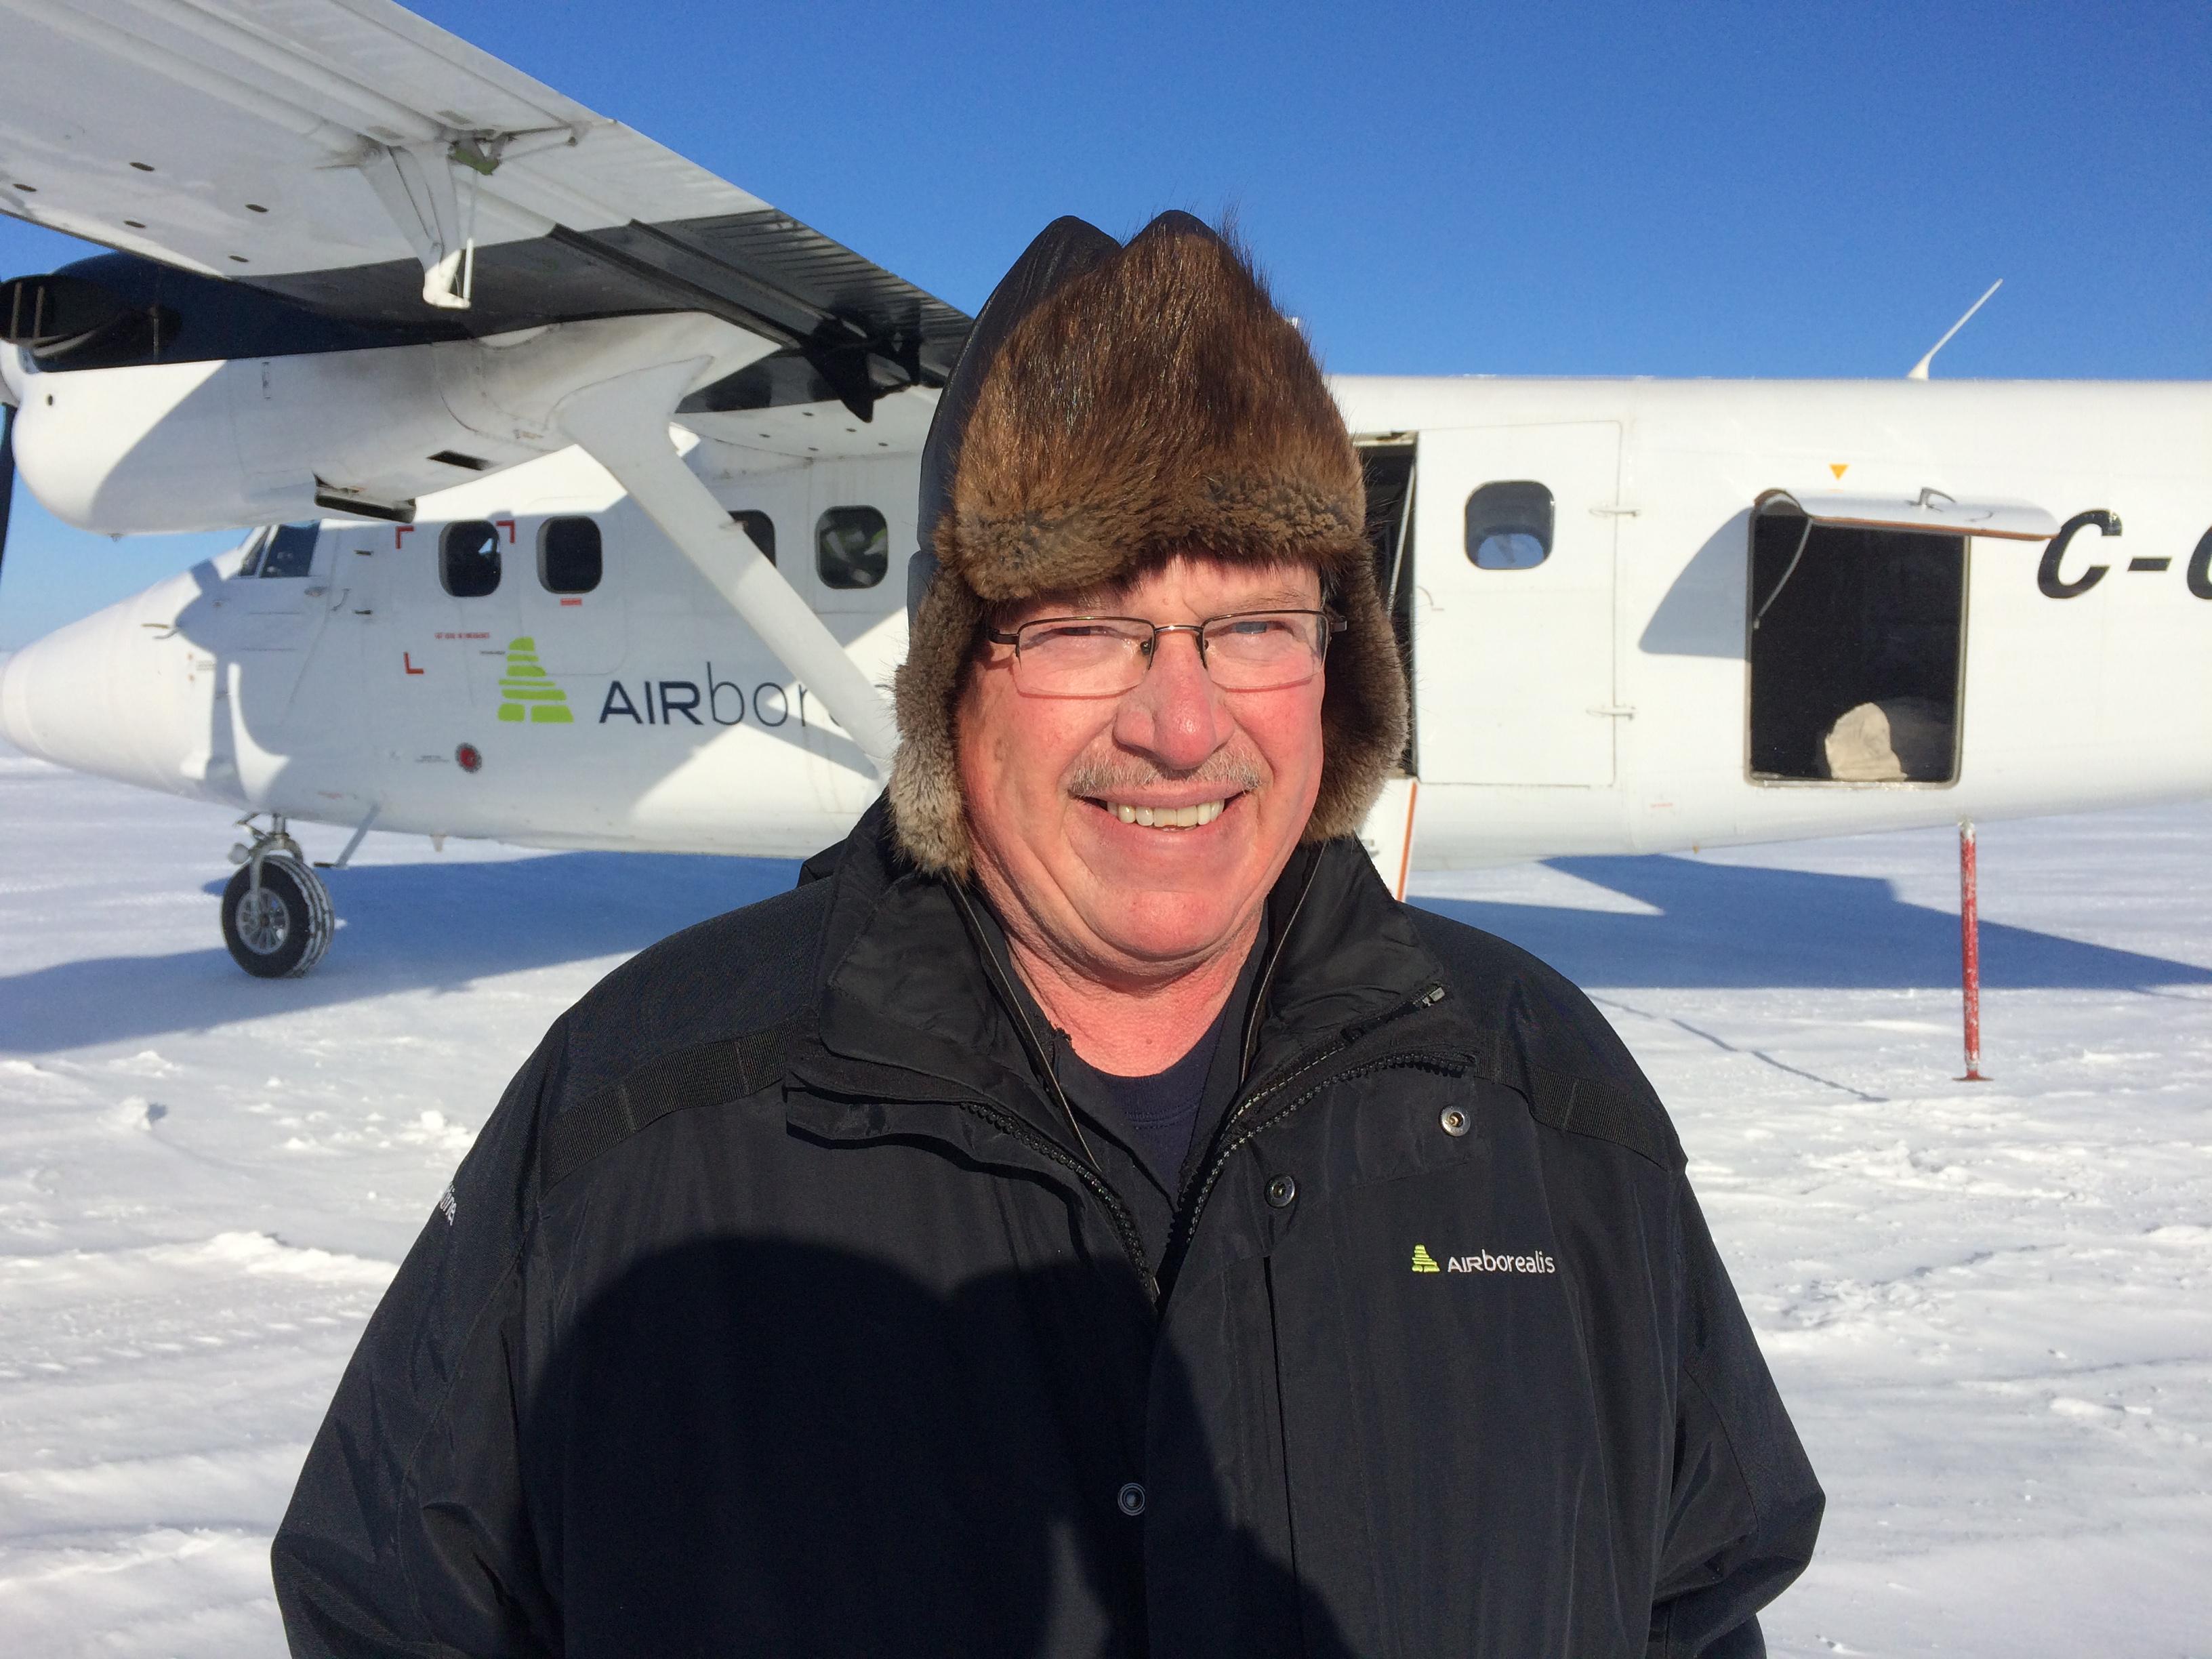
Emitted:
<point x="1919" y="370"/>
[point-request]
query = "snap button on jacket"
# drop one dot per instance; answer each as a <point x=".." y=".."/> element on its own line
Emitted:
<point x="779" y="1313"/>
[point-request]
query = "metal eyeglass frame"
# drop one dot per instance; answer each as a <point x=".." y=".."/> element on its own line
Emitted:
<point x="1333" y="624"/>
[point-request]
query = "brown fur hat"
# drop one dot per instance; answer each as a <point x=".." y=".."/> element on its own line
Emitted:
<point x="1115" y="406"/>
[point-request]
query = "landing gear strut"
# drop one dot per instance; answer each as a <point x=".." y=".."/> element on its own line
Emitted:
<point x="277" y="915"/>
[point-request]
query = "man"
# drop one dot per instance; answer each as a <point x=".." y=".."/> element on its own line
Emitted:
<point x="1088" y="1215"/>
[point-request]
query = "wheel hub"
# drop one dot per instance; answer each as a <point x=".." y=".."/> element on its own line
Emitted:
<point x="263" y="922"/>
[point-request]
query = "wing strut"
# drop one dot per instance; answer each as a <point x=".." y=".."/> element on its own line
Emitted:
<point x="623" y="424"/>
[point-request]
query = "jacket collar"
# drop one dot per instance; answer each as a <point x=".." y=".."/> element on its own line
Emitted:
<point x="905" y="1009"/>
<point x="908" y="1008"/>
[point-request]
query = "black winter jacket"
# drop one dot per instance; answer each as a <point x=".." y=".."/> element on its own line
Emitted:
<point x="775" y="1311"/>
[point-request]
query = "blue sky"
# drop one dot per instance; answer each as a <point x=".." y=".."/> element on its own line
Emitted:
<point x="1689" y="190"/>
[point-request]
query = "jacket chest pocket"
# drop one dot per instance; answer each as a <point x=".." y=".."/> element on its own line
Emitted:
<point x="1438" y="1433"/>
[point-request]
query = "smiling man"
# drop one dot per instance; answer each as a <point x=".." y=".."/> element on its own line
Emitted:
<point x="1089" y="1216"/>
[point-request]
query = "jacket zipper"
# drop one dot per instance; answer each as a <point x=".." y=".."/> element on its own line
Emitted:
<point x="1085" y="1168"/>
<point x="1184" y="1225"/>
<point x="1443" y="1062"/>
<point x="1038" y="1056"/>
<point x="1257" y="1010"/>
<point x="1125" y="1225"/>
<point x="1345" y="1038"/>
<point x="1442" y="1065"/>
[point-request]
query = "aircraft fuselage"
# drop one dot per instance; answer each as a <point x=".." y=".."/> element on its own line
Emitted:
<point x="1578" y="583"/>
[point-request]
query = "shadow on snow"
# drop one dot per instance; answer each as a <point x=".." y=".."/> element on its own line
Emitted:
<point x="1728" y="927"/>
<point x="435" y="925"/>
<point x="441" y="925"/>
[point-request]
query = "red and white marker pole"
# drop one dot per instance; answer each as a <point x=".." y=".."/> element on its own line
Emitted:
<point x="1970" y="951"/>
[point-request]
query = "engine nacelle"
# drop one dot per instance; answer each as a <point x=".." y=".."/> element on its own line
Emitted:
<point x="204" y="445"/>
<point x="153" y="400"/>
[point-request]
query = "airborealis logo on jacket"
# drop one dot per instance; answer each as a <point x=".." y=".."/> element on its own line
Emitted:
<point x="1483" y="1261"/>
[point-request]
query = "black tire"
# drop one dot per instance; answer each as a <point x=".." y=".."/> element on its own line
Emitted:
<point x="283" y="933"/>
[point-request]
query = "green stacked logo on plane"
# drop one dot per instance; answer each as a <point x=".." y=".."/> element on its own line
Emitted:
<point x="527" y="691"/>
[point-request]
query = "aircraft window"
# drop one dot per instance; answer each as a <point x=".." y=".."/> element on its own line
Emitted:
<point x="1857" y="645"/>
<point x="290" y="549"/>
<point x="1508" y="525"/>
<point x="761" y="528"/>
<point x="568" y="560"/>
<point x="468" y="559"/>
<point x="250" y="564"/>
<point x="852" y="547"/>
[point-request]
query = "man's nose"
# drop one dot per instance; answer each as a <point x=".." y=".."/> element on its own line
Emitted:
<point x="1176" y="714"/>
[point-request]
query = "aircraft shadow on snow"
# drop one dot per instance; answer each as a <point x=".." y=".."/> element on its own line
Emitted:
<point x="1731" y="928"/>
<point x="441" y="925"/>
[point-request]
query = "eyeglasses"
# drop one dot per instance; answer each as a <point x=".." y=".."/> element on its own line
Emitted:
<point x="1105" y="656"/>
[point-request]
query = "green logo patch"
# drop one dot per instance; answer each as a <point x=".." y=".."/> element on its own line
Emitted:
<point x="527" y="691"/>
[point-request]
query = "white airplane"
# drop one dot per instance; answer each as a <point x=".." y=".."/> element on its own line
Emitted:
<point x="587" y="481"/>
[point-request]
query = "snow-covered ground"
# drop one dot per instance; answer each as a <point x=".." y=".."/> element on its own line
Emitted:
<point x="1989" y="1305"/>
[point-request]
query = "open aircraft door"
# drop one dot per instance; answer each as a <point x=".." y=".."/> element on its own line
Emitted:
<point x="1513" y="618"/>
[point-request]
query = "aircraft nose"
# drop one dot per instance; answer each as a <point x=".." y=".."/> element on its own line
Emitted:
<point x="97" y="696"/>
<point x="53" y="701"/>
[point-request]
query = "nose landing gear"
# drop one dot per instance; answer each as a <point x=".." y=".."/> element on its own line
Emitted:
<point x="277" y="915"/>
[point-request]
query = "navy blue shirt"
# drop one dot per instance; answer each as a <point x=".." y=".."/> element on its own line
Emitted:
<point x="1158" y="1113"/>
<point x="1148" y="1132"/>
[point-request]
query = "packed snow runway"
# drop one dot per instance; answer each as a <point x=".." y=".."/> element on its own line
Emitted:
<point x="1988" y="1306"/>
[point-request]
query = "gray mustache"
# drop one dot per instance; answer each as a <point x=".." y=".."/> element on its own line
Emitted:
<point x="1236" y="772"/>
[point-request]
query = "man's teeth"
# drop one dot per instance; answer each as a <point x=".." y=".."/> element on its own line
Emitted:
<point x="1169" y="817"/>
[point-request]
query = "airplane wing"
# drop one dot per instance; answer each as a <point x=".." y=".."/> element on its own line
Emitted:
<point x="353" y="158"/>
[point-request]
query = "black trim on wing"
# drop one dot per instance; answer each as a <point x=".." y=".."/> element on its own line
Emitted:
<point x="847" y="328"/>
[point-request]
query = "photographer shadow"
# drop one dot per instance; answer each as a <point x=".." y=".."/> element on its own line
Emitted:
<point x="761" y="1446"/>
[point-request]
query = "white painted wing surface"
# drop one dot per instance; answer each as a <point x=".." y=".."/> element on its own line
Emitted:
<point x="241" y="137"/>
<point x="351" y="159"/>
